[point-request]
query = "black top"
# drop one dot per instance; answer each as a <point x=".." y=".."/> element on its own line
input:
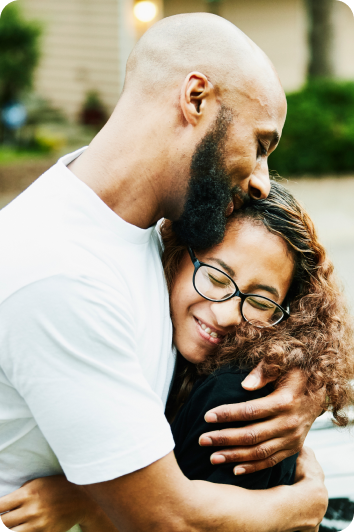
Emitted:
<point x="222" y="387"/>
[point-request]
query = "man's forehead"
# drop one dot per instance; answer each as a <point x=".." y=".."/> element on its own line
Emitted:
<point x="264" y="94"/>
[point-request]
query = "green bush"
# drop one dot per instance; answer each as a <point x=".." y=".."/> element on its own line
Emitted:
<point x="20" y="52"/>
<point x="318" y="136"/>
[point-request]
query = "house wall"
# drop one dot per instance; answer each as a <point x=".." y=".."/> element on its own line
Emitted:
<point x="86" y="42"/>
<point x="80" y="51"/>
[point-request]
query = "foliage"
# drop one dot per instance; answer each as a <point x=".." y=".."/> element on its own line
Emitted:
<point x="318" y="136"/>
<point x="93" y="100"/>
<point x="93" y="112"/>
<point x="49" y="139"/>
<point x="20" y="52"/>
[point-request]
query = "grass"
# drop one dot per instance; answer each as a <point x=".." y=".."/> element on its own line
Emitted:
<point x="10" y="155"/>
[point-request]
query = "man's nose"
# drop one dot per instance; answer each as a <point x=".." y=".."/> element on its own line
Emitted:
<point x="259" y="184"/>
<point x="228" y="313"/>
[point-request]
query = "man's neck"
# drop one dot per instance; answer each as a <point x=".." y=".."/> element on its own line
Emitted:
<point x="122" y="177"/>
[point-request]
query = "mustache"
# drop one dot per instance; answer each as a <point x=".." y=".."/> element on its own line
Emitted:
<point x="240" y="197"/>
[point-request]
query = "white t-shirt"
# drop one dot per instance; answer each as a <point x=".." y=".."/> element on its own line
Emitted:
<point x="86" y="354"/>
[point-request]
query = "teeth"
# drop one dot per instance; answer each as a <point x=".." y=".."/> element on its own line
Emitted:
<point x="208" y="330"/>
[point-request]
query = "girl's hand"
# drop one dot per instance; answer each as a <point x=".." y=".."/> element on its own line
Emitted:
<point x="51" y="503"/>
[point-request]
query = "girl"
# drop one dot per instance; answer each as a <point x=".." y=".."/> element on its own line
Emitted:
<point x="266" y="293"/>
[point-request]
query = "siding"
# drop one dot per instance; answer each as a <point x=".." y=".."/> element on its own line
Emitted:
<point x="80" y="51"/>
<point x="86" y="42"/>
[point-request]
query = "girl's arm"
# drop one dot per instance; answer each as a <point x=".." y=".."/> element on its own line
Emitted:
<point x="55" y="504"/>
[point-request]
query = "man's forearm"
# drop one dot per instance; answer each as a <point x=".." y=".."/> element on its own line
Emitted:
<point x="159" y="499"/>
<point x="280" y="509"/>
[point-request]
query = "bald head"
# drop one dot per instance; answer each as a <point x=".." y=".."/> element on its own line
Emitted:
<point x="202" y="42"/>
<point x="202" y="105"/>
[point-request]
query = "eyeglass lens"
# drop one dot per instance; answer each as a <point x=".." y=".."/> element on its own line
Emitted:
<point x="215" y="285"/>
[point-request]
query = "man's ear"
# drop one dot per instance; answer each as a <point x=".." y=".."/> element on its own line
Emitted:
<point x="196" y="92"/>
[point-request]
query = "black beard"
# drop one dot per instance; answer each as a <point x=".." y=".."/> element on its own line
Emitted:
<point x="203" y="221"/>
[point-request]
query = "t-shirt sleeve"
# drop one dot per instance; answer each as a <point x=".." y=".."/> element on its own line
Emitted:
<point x="194" y="460"/>
<point x="71" y="354"/>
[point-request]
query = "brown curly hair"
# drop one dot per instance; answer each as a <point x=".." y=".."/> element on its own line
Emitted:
<point x="318" y="336"/>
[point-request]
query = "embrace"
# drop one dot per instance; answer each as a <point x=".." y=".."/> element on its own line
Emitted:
<point x="170" y="324"/>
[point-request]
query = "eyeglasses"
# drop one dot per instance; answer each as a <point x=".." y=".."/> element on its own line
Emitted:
<point x="215" y="285"/>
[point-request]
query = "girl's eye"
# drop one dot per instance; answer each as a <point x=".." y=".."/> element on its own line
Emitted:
<point x="261" y="305"/>
<point x="219" y="282"/>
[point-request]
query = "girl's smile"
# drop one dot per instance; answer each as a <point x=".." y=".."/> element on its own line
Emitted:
<point x="208" y="332"/>
<point x="258" y="261"/>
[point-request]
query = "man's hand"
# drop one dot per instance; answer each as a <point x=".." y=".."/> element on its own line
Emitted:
<point x="307" y="468"/>
<point x="286" y="417"/>
<point x="52" y="503"/>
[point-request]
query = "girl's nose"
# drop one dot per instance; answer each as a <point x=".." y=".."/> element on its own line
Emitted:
<point x="228" y="313"/>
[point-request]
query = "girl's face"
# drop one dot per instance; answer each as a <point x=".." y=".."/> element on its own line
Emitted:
<point x="257" y="260"/>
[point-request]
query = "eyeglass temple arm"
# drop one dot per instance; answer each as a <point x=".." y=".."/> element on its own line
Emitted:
<point x="192" y="256"/>
<point x="287" y="307"/>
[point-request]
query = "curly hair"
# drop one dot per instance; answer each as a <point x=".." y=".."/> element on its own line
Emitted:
<point x="318" y="336"/>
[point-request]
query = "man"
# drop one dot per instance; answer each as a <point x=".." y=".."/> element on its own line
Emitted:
<point x="85" y="341"/>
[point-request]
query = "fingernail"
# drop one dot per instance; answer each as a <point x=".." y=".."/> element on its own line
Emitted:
<point x="239" y="471"/>
<point x="217" y="459"/>
<point x="204" y="440"/>
<point x="211" y="418"/>
<point x="251" y="382"/>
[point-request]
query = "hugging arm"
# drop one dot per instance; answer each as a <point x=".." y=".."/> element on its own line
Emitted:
<point x="287" y="415"/>
<point x="159" y="498"/>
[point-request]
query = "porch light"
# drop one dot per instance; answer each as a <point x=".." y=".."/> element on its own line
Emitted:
<point x="145" y="11"/>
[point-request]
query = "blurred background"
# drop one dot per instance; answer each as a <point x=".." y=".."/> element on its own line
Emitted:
<point x="62" y="70"/>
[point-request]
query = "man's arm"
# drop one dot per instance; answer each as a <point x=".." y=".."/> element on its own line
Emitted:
<point x="159" y="498"/>
<point x="287" y="415"/>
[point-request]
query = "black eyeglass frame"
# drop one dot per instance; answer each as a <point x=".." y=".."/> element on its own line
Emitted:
<point x="197" y="264"/>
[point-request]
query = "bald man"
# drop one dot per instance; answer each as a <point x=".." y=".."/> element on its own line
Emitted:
<point x="85" y="340"/>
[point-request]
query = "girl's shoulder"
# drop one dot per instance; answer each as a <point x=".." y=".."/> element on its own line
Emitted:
<point x="224" y="386"/>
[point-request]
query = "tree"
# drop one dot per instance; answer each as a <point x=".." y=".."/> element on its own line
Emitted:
<point x="321" y="64"/>
<point x="20" y="53"/>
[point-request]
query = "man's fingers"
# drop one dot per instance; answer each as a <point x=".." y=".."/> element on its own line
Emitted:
<point x="11" y="501"/>
<point x="256" y="379"/>
<point x="248" y="454"/>
<point x="14" y="518"/>
<point x="252" y="467"/>
<point x="243" y="436"/>
<point x="254" y="434"/>
<point x="275" y="403"/>
<point x="307" y="465"/>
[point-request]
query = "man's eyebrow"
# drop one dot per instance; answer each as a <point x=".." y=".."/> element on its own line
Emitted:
<point x="221" y="263"/>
